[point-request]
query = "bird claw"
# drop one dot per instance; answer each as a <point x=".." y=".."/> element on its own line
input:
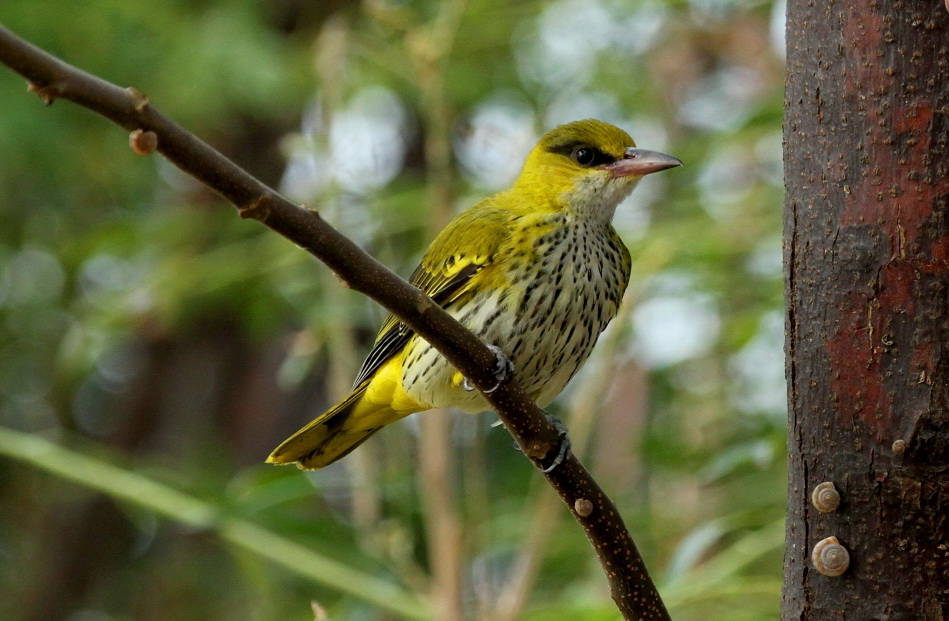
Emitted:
<point x="503" y="370"/>
<point x="563" y="448"/>
<point x="503" y="367"/>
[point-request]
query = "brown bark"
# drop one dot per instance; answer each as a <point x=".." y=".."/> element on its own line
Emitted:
<point x="867" y="283"/>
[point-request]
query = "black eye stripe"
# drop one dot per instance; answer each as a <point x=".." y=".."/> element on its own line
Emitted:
<point x="588" y="159"/>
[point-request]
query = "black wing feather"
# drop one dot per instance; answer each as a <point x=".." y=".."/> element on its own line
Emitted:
<point x="393" y="335"/>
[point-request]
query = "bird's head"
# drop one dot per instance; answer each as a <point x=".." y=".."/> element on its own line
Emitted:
<point x="587" y="167"/>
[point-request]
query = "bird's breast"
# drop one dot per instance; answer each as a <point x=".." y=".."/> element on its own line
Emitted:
<point x="544" y="303"/>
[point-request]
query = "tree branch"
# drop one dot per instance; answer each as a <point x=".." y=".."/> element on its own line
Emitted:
<point x="630" y="584"/>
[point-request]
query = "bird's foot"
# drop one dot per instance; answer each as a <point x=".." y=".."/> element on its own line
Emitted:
<point x="503" y="370"/>
<point x="563" y="445"/>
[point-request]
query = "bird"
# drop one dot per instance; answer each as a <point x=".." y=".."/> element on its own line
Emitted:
<point x="536" y="271"/>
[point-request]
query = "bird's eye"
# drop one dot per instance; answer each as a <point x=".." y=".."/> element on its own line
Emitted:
<point x="585" y="156"/>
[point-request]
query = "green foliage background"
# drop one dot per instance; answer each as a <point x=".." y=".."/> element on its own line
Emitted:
<point x="154" y="347"/>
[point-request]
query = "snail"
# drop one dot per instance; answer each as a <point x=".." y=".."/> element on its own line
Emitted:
<point x="830" y="558"/>
<point x="826" y="497"/>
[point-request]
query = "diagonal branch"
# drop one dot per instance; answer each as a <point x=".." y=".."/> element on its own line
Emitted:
<point x="50" y="78"/>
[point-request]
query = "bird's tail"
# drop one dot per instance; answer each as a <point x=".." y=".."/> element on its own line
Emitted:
<point x="336" y="432"/>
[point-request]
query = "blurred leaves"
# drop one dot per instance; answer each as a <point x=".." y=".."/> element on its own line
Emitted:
<point x="138" y="312"/>
<point x="96" y="473"/>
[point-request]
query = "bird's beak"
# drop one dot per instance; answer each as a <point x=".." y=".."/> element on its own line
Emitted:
<point x="641" y="162"/>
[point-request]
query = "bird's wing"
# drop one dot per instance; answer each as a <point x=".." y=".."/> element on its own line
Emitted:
<point x="466" y="247"/>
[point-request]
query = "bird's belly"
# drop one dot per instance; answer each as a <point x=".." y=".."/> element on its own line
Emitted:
<point x="547" y="326"/>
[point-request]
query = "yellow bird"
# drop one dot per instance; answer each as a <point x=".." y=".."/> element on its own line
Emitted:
<point x="537" y="271"/>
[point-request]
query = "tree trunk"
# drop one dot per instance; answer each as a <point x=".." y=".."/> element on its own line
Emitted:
<point x="867" y="284"/>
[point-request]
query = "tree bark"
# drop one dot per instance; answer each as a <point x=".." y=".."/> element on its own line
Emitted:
<point x="867" y="283"/>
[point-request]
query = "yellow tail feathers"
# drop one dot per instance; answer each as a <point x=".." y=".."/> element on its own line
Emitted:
<point x="332" y="435"/>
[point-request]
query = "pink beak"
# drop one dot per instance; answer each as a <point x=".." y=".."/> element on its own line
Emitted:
<point x="641" y="162"/>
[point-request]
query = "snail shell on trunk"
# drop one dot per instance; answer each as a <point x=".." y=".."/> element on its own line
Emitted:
<point x="830" y="558"/>
<point x="825" y="497"/>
